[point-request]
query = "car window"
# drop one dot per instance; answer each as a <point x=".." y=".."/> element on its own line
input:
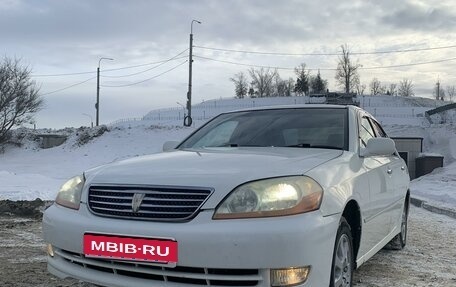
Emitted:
<point x="218" y="136"/>
<point x="310" y="127"/>
<point x="366" y="131"/>
<point x="378" y="129"/>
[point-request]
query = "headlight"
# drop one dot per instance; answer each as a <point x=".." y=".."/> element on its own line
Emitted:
<point x="70" y="193"/>
<point x="271" y="197"/>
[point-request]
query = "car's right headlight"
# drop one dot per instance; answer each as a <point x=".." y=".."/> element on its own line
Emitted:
<point x="271" y="197"/>
<point x="70" y="193"/>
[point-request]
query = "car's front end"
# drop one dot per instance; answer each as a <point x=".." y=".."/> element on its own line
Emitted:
<point x="254" y="252"/>
<point x="229" y="215"/>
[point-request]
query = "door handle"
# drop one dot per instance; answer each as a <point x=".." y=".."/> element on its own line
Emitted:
<point x="389" y="171"/>
<point x="402" y="167"/>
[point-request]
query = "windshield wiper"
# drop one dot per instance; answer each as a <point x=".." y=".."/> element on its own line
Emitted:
<point x="238" y="145"/>
<point x="299" y="145"/>
<point x="306" y="145"/>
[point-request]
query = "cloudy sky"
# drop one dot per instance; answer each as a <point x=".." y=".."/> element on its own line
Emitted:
<point x="56" y="37"/>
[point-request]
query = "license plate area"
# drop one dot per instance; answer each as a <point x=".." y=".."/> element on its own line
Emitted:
<point x="160" y="251"/>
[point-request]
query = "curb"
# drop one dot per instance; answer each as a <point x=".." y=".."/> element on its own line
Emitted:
<point x="432" y="208"/>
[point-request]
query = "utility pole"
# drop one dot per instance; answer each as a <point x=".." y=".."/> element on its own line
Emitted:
<point x="438" y="90"/>
<point x="188" y="119"/>
<point x="97" y="105"/>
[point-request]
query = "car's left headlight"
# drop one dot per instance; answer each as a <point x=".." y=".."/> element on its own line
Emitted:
<point x="271" y="197"/>
<point x="70" y="192"/>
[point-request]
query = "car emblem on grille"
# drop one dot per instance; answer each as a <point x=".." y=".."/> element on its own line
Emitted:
<point x="137" y="201"/>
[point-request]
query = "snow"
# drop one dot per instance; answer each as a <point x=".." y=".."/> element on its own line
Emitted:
<point x="437" y="188"/>
<point x="29" y="172"/>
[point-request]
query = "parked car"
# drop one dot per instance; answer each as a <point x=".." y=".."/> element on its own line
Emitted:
<point x="278" y="196"/>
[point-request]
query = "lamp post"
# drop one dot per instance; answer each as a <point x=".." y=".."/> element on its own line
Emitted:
<point x="188" y="118"/>
<point x="183" y="109"/>
<point x="91" y="119"/>
<point x="97" y="105"/>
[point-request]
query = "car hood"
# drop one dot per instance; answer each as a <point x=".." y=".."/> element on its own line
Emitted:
<point x="221" y="169"/>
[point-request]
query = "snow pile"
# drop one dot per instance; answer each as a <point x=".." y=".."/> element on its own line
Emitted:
<point x="437" y="188"/>
<point x="437" y="138"/>
<point x="30" y="172"/>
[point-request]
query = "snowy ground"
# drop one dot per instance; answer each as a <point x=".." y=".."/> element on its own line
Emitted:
<point x="29" y="172"/>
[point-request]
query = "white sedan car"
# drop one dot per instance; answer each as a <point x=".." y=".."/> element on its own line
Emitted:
<point x="280" y="196"/>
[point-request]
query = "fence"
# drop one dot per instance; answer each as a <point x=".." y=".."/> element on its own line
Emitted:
<point x="208" y="109"/>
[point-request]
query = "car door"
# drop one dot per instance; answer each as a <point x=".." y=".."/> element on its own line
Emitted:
<point x="377" y="216"/>
<point x="399" y="173"/>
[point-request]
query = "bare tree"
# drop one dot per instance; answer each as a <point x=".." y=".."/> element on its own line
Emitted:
<point x="451" y="92"/>
<point x="302" y="86"/>
<point x="289" y="87"/>
<point x="360" y="88"/>
<point x="240" y="85"/>
<point x="375" y="87"/>
<point x="405" y="88"/>
<point x="347" y="72"/>
<point x="19" y="97"/>
<point x="263" y="81"/>
<point x="438" y="92"/>
<point x="393" y="89"/>
<point x="280" y="86"/>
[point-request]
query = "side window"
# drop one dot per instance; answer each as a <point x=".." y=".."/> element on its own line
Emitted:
<point x="366" y="132"/>
<point x="378" y="129"/>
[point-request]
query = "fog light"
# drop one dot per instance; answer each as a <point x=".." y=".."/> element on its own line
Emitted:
<point x="50" y="250"/>
<point x="289" y="276"/>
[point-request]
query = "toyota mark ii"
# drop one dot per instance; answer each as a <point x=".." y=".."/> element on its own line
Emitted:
<point x="279" y="196"/>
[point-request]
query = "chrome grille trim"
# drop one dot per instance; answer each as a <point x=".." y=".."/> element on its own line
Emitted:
<point x="211" y="276"/>
<point x="160" y="203"/>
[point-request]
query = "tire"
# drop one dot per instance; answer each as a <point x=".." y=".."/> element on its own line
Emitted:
<point x="400" y="240"/>
<point x="343" y="261"/>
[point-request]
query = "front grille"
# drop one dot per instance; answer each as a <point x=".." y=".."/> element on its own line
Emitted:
<point x="179" y="274"/>
<point x="159" y="203"/>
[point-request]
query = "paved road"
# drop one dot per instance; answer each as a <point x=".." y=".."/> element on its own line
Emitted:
<point x="428" y="260"/>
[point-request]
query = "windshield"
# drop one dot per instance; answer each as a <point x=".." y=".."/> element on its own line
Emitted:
<point x="300" y="127"/>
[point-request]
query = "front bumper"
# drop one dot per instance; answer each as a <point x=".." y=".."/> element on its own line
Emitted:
<point x="204" y="244"/>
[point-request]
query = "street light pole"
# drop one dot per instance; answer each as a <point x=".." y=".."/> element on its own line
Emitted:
<point x="97" y="105"/>
<point x="188" y="118"/>
<point x="183" y="109"/>
<point x="91" y="119"/>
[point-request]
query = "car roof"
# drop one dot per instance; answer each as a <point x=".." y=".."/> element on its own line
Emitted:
<point x="298" y="106"/>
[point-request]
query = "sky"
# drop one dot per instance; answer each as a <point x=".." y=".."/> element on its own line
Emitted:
<point x="57" y="37"/>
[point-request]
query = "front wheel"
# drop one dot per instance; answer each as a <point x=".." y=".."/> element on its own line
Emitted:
<point x="342" y="264"/>
<point x="400" y="240"/>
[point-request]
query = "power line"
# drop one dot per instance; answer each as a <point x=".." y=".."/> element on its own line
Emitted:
<point x="73" y="85"/>
<point x="156" y="76"/>
<point x="63" y="74"/>
<point x="324" y="54"/>
<point x="154" y="67"/>
<point x="325" y="69"/>
<point x="110" y="70"/>
<point x="408" y="65"/>
<point x="243" y="64"/>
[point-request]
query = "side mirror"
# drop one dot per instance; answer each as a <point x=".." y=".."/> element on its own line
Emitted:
<point x="379" y="146"/>
<point x="170" y="145"/>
